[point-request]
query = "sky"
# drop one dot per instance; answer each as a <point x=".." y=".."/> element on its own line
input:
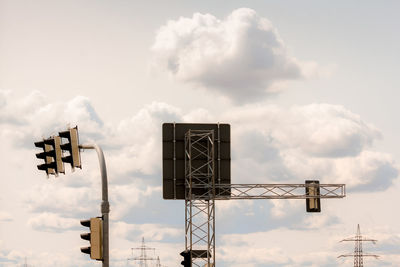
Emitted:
<point x="310" y="89"/>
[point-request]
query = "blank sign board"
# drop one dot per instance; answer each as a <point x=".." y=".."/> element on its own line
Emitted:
<point x="173" y="146"/>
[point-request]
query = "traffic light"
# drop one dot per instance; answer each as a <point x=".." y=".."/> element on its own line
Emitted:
<point x="52" y="155"/>
<point x="45" y="155"/>
<point x="312" y="189"/>
<point x="95" y="237"/>
<point x="72" y="146"/>
<point x="187" y="258"/>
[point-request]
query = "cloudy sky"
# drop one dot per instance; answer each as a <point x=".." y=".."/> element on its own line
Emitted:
<point x="310" y="89"/>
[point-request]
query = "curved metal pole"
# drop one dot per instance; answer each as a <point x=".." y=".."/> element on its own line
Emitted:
<point x="105" y="205"/>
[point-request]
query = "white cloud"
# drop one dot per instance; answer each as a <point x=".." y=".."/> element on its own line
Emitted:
<point x="55" y="198"/>
<point x="126" y="197"/>
<point x="269" y="144"/>
<point x="199" y="116"/>
<point x="52" y="222"/>
<point x="318" y="141"/>
<point x="326" y="130"/>
<point x="138" y="139"/>
<point x="281" y="208"/>
<point x="5" y="217"/>
<point x="241" y="56"/>
<point x="319" y="221"/>
<point x="320" y="130"/>
<point x="233" y="206"/>
<point x="3" y="98"/>
<point x="67" y="258"/>
<point x="32" y="117"/>
<point x="262" y="249"/>
<point x="155" y="232"/>
<point x="313" y="141"/>
<point x="292" y="248"/>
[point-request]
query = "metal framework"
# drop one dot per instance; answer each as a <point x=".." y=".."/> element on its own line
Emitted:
<point x="277" y="191"/>
<point x="200" y="197"/>
<point x="358" y="251"/>
<point x="201" y="191"/>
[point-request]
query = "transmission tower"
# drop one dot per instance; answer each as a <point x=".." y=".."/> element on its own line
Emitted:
<point x="26" y="263"/>
<point x="358" y="251"/>
<point x="158" y="264"/>
<point x="143" y="259"/>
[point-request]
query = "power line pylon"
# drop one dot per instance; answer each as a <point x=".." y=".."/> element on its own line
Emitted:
<point x="158" y="264"/>
<point x="358" y="250"/>
<point x="26" y="263"/>
<point x="143" y="258"/>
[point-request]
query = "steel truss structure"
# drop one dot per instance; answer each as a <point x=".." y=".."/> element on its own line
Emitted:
<point x="201" y="191"/>
<point x="200" y="197"/>
<point x="277" y="191"/>
<point x="358" y="250"/>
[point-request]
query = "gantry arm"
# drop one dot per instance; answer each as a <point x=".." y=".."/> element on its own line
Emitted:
<point x="275" y="191"/>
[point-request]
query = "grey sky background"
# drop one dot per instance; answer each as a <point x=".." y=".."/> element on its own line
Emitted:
<point x="310" y="89"/>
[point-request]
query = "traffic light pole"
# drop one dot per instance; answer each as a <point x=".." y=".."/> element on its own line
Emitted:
<point x="105" y="205"/>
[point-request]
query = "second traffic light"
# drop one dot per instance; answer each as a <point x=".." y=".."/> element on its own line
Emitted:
<point x="312" y="189"/>
<point x="95" y="237"/>
<point x="187" y="258"/>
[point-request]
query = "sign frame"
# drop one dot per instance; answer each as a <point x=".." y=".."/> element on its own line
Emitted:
<point x="173" y="156"/>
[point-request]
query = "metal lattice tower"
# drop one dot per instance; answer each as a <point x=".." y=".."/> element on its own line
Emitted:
<point x="200" y="197"/>
<point x="26" y="263"/>
<point x="358" y="250"/>
<point x="143" y="259"/>
<point x="158" y="264"/>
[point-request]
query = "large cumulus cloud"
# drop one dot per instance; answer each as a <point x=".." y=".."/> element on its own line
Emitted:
<point x="241" y="56"/>
<point x="269" y="144"/>
<point x="321" y="141"/>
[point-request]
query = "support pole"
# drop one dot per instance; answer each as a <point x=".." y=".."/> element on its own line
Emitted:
<point x="200" y="197"/>
<point x="105" y="205"/>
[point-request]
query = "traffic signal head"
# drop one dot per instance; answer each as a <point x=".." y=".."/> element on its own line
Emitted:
<point x="312" y="189"/>
<point x="187" y="258"/>
<point x="72" y="146"/>
<point x="52" y="155"/>
<point x="45" y="156"/>
<point x="95" y="237"/>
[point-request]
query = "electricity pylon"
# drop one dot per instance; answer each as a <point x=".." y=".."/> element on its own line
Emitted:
<point x="358" y="250"/>
<point x="143" y="259"/>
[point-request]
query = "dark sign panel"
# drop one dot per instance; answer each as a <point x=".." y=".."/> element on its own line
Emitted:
<point x="173" y="138"/>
